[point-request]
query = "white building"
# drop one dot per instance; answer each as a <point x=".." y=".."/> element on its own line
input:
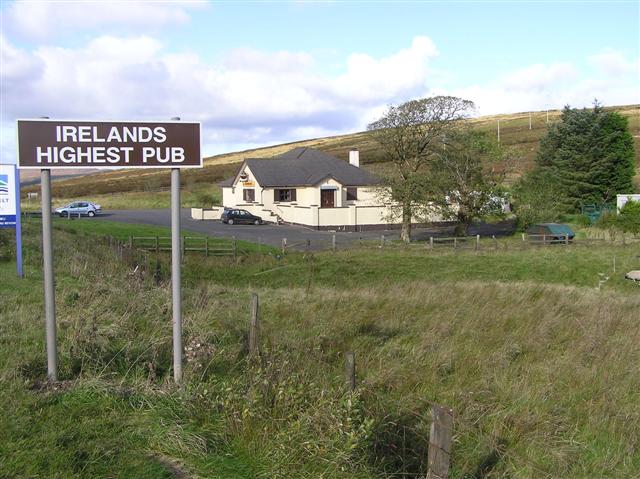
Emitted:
<point x="306" y="187"/>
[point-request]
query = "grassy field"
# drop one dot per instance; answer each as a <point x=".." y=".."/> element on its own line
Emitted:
<point x="514" y="134"/>
<point x="539" y="365"/>
<point x="197" y="196"/>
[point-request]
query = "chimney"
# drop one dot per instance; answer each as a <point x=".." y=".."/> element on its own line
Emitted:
<point x="354" y="157"/>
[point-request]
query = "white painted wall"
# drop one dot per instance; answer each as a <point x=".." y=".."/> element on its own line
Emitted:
<point x="366" y="210"/>
<point x="206" y="214"/>
<point x="334" y="217"/>
<point x="233" y="196"/>
<point x="367" y="196"/>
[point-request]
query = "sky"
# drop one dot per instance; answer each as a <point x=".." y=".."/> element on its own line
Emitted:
<point x="263" y="73"/>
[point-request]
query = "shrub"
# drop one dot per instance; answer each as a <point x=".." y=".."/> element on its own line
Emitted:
<point x="580" y="220"/>
<point x="206" y="199"/>
<point x="629" y="217"/>
<point x="537" y="198"/>
<point x="607" y="221"/>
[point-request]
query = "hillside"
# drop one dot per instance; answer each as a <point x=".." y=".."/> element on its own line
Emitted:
<point x="514" y="133"/>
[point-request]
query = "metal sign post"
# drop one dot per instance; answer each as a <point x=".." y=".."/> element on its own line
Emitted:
<point x="176" y="264"/>
<point x="49" y="289"/>
<point x="176" y="278"/>
<point x="45" y="144"/>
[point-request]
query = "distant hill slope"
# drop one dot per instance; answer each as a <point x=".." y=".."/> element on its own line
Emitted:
<point x="514" y="133"/>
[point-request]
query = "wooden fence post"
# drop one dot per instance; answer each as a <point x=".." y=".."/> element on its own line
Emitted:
<point x="253" y="326"/>
<point x="350" y="370"/>
<point x="455" y="243"/>
<point x="440" y="442"/>
<point x="381" y="241"/>
<point x="566" y="239"/>
<point x="544" y="240"/>
<point x="477" y="242"/>
<point x="284" y="245"/>
<point x="333" y="243"/>
<point x="495" y="242"/>
<point x="431" y="242"/>
<point x="157" y="273"/>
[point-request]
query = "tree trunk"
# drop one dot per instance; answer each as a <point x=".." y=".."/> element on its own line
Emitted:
<point x="405" y="234"/>
<point x="462" y="227"/>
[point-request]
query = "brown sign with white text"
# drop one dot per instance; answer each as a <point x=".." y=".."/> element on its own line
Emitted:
<point x="97" y="144"/>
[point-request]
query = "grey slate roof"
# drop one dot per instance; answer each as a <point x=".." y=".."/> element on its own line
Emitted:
<point x="305" y="167"/>
<point x="228" y="183"/>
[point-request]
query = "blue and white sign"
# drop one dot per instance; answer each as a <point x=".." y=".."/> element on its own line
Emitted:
<point x="8" y="205"/>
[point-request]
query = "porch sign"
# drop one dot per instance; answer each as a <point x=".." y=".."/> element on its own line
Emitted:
<point x="45" y="144"/>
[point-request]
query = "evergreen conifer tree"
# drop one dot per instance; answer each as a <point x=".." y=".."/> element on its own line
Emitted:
<point x="591" y="153"/>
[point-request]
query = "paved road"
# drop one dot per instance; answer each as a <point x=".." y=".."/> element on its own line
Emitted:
<point x="268" y="233"/>
<point x="272" y="234"/>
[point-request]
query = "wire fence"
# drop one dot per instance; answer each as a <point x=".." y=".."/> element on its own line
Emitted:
<point x="453" y="243"/>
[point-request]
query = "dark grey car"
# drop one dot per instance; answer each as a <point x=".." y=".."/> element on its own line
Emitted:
<point x="236" y="216"/>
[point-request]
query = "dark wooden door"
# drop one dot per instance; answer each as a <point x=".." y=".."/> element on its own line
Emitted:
<point x="327" y="198"/>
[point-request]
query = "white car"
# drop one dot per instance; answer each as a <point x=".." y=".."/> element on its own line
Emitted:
<point x="79" y="208"/>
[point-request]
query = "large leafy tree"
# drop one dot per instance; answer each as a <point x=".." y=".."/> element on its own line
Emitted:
<point x="590" y="153"/>
<point x="465" y="177"/>
<point x="410" y="136"/>
<point x="537" y="198"/>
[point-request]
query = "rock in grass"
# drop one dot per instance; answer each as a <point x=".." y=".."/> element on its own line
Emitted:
<point x="634" y="275"/>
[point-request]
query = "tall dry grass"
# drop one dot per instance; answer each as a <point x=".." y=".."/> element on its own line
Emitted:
<point x="543" y="378"/>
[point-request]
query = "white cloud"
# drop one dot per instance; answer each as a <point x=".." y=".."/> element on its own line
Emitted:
<point x="539" y="77"/>
<point x="614" y="63"/>
<point x="392" y="77"/>
<point x="541" y="86"/>
<point x="43" y="19"/>
<point x="251" y="96"/>
<point x="16" y="64"/>
<point x="250" y="59"/>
